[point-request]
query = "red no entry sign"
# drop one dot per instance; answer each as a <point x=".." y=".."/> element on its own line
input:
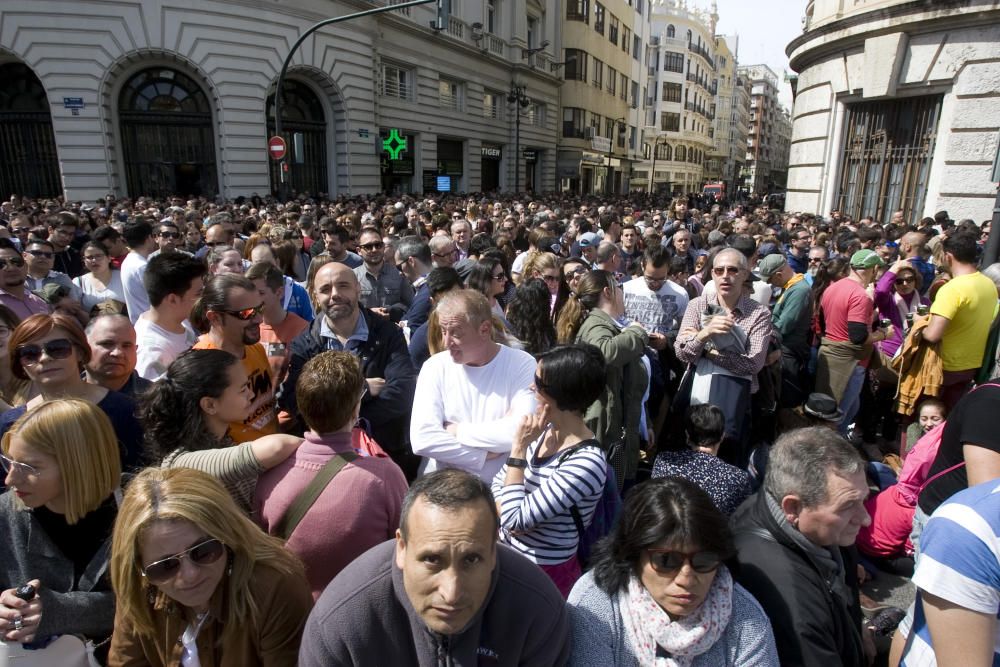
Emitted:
<point x="276" y="148"/>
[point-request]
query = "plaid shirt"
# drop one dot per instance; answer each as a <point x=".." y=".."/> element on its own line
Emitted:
<point x="753" y="318"/>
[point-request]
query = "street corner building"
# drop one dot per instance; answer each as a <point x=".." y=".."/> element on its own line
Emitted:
<point x="896" y="108"/>
<point x="157" y="97"/>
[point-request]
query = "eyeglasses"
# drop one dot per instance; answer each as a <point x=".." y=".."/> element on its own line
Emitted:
<point x="665" y="561"/>
<point x="93" y="258"/>
<point x="30" y="354"/>
<point x="40" y="253"/>
<point x="13" y="261"/>
<point x="450" y="253"/>
<point x="500" y="277"/>
<point x="905" y="280"/>
<point x="815" y="260"/>
<point x="725" y="270"/>
<point x="650" y="280"/>
<point x="170" y="235"/>
<point x="372" y="247"/>
<point x="205" y="553"/>
<point x="4" y="331"/>
<point x="551" y="279"/>
<point x="213" y="244"/>
<point x="9" y="465"/>
<point x="245" y="314"/>
<point x="20" y="230"/>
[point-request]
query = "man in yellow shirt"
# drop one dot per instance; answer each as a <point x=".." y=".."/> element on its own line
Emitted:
<point x="961" y="315"/>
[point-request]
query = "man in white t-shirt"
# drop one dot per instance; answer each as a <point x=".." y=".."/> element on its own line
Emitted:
<point x="470" y="397"/>
<point x="655" y="302"/>
<point x="138" y="234"/>
<point x="174" y="281"/>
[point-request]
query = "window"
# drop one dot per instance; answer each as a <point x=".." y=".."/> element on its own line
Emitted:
<point x="449" y="94"/>
<point x="681" y="154"/>
<point x="671" y="92"/>
<point x="609" y="128"/>
<point x="599" y="17"/>
<point x="670" y="122"/>
<point x="395" y="82"/>
<point x="491" y="16"/>
<point x="664" y="152"/>
<point x="578" y="10"/>
<point x="493" y="105"/>
<point x="532" y="31"/>
<point x="612" y="79"/>
<point x="673" y="62"/>
<point x="671" y="31"/>
<point x="631" y="137"/>
<point x="576" y="65"/>
<point x="623" y="86"/>
<point x="621" y="135"/>
<point x="598" y="74"/>
<point x="595" y="124"/>
<point x="635" y="95"/>
<point x="645" y="151"/>
<point x="535" y="115"/>
<point x="613" y="31"/>
<point x="626" y="39"/>
<point x="636" y="46"/>
<point x="573" y="123"/>
<point x="689" y="38"/>
<point x="638" y="6"/>
<point x="887" y="157"/>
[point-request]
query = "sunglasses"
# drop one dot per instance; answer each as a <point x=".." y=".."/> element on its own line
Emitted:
<point x="213" y="244"/>
<point x="169" y="235"/>
<point x="9" y="465"/>
<point x="20" y="230"/>
<point x="205" y="553"/>
<point x="30" y="353"/>
<point x="446" y="254"/>
<point x="371" y="247"/>
<point x="245" y="314"/>
<point x="654" y="281"/>
<point x="500" y="277"/>
<point x="40" y="253"/>
<point x="665" y="561"/>
<point x="551" y="279"/>
<point x="905" y="280"/>
<point x="12" y="261"/>
<point x="725" y="270"/>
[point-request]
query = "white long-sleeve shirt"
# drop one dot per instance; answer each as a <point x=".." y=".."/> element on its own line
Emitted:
<point x="485" y="402"/>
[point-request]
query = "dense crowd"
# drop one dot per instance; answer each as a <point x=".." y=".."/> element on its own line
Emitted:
<point x="500" y="430"/>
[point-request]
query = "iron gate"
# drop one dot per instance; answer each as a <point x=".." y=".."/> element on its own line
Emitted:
<point x="29" y="164"/>
<point x="302" y="114"/>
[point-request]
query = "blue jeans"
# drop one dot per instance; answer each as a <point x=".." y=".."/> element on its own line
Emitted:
<point x="850" y="402"/>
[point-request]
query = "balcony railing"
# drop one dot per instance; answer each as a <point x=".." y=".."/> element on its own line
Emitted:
<point x="494" y="45"/>
<point x="456" y="28"/>
<point x="703" y="52"/>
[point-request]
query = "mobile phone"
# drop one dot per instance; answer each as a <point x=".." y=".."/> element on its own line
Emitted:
<point x="26" y="592"/>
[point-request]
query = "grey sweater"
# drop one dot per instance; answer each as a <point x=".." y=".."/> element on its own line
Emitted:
<point x="599" y="638"/>
<point x="364" y="617"/>
<point x="68" y="607"/>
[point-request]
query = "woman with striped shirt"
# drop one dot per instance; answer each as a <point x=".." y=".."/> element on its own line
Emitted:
<point x="555" y="464"/>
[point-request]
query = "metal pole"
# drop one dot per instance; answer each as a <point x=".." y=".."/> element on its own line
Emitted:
<point x="285" y="180"/>
<point x="517" y="147"/>
<point x="652" y="171"/>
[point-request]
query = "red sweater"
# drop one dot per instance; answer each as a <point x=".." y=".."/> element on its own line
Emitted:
<point x="359" y="508"/>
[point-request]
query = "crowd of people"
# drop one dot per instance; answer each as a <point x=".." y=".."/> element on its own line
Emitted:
<point x="503" y="430"/>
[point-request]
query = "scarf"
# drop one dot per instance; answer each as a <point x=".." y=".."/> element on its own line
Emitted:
<point x="651" y="632"/>
<point x="798" y="277"/>
<point x="828" y="559"/>
<point x="906" y="308"/>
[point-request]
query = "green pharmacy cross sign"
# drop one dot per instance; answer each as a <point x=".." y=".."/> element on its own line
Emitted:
<point x="394" y="144"/>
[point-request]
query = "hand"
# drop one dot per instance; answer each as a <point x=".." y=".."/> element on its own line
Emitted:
<point x="528" y="430"/>
<point x="887" y="332"/>
<point x="773" y="357"/>
<point x="650" y="449"/>
<point x="868" y="641"/>
<point x="13" y="607"/>
<point x="375" y="385"/>
<point x="717" y="326"/>
<point x="657" y="341"/>
<point x="452" y="428"/>
<point x="900" y="265"/>
<point x="687" y="333"/>
<point x="384" y="312"/>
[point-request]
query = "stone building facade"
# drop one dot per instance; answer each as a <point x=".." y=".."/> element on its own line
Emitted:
<point x="897" y="108"/>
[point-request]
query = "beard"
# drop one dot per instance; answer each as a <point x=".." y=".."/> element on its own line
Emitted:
<point x="251" y="335"/>
<point x="339" y="310"/>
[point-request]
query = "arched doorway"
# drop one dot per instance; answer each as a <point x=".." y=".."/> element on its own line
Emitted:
<point x="28" y="161"/>
<point x="168" y="142"/>
<point x="301" y="114"/>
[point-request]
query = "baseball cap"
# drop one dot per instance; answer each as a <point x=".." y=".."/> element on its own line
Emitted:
<point x="866" y="259"/>
<point x="770" y="265"/>
<point x="589" y="239"/>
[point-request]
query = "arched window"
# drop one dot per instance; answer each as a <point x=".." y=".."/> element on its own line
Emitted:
<point x="645" y="150"/>
<point x="28" y="162"/>
<point x="301" y="114"/>
<point x="681" y="154"/>
<point x="671" y="31"/>
<point x="689" y="38"/>
<point x="168" y="140"/>
<point x="664" y="152"/>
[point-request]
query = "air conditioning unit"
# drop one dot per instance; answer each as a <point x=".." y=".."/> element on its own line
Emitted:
<point x="588" y="133"/>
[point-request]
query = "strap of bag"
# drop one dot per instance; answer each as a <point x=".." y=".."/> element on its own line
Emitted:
<point x="574" y="510"/>
<point x="297" y="510"/>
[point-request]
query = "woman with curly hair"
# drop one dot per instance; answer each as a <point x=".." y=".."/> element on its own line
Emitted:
<point x="528" y="314"/>
<point x="197" y="582"/>
<point x="546" y="267"/>
<point x="187" y="413"/>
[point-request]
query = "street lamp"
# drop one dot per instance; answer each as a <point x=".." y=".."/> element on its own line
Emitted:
<point x="617" y="124"/>
<point x="520" y="100"/>
<point x="652" y="171"/>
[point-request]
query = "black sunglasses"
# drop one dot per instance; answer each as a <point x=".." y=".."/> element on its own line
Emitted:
<point x="13" y="261"/>
<point x="169" y="235"/>
<point x="30" y="353"/>
<point x="205" y="553"/>
<point x="40" y="253"/>
<point x="245" y="314"/>
<point x="665" y="561"/>
<point x="371" y="247"/>
<point x="212" y="244"/>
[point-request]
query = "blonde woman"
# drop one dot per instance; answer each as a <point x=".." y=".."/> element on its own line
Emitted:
<point x="547" y="267"/>
<point x="197" y="582"/>
<point x="56" y="521"/>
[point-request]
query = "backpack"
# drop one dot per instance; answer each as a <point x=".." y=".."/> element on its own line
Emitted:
<point x="606" y="512"/>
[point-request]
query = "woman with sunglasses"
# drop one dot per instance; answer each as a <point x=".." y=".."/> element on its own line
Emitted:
<point x="594" y="315"/>
<point x="897" y="295"/>
<point x="659" y="593"/>
<point x="489" y="277"/>
<point x="103" y="283"/>
<point x="51" y="351"/>
<point x="545" y="267"/>
<point x="13" y="390"/>
<point x="188" y="413"/>
<point x="56" y="520"/>
<point x="557" y="470"/>
<point x="197" y="583"/>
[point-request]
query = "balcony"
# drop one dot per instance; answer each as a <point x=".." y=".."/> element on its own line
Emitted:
<point x="456" y="28"/>
<point x="703" y="52"/>
<point x="494" y="45"/>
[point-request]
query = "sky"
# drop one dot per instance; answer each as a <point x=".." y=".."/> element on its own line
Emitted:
<point x="765" y="27"/>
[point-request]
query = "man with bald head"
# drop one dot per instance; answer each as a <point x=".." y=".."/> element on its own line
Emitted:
<point x="726" y="335"/>
<point x="911" y="248"/>
<point x="343" y="324"/>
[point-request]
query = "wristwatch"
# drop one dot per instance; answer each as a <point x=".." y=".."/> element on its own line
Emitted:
<point x="516" y="463"/>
